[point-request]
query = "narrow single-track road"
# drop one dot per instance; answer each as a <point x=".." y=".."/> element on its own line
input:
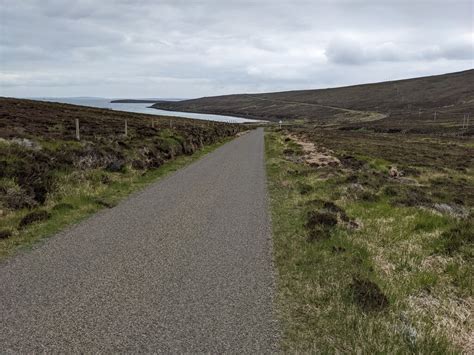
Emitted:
<point x="183" y="266"/>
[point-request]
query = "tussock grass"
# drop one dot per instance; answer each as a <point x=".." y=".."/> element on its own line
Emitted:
<point x="398" y="279"/>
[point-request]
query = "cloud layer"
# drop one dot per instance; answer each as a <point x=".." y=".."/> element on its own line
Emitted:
<point x="177" y="48"/>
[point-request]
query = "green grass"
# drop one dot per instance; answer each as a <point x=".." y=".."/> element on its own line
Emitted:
<point x="83" y="193"/>
<point x="417" y="297"/>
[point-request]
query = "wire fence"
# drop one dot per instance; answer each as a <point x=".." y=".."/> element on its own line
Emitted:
<point x="155" y="124"/>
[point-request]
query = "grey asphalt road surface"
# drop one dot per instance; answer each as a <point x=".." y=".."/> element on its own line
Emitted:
<point x="183" y="266"/>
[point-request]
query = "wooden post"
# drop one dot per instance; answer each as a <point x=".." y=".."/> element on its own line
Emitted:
<point x="152" y="123"/>
<point x="435" y="114"/>
<point x="78" y="136"/>
<point x="171" y="124"/>
<point x="126" y="128"/>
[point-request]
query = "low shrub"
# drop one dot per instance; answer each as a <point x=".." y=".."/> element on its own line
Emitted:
<point x="116" y="166"/>
<point x="412" y="196"/>
<point x="17" y="198"/>
<point x="138" y="164"/>
<point x="351" y="162"/>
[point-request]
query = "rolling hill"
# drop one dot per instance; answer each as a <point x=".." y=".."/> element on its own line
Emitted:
<point x="449" y="94"/>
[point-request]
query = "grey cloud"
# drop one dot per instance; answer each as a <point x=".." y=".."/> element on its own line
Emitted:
<point x="346" y="51"/>
<point x="458" y="50"/>
<point x="192" y="48"/>
<point x="351" y="52"/>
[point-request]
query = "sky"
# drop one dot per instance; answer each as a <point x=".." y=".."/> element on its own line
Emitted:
<point x="194" y="48"/>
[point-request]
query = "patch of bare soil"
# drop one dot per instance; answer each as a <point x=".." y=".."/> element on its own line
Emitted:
<point x="313" y="155"/>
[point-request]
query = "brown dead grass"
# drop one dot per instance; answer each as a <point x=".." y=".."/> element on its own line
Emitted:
<point x="451" y="316"/>
<point x="313" y="155"/>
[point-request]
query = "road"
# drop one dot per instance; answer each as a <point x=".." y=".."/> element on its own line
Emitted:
<point x="183" y="266"/>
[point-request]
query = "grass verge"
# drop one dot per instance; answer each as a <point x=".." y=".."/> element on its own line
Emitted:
<point x="81" y="194"/>
<point x="364" y="263"/>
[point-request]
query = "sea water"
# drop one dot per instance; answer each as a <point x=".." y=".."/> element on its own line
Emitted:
<point x="141" y="108"/>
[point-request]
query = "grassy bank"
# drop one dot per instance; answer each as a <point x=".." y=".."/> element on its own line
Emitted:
<point x="83" y="193"/>
<point x="375" y="253"/>
<point x="48" y="179"/>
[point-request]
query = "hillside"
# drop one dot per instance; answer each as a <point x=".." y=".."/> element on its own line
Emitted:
<point x="449" y="94"/>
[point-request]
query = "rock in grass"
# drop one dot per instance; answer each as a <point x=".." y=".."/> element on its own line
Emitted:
<point x="5" y="233"/>
<point x="33" y="217"/>
<point x="368" y="295"/>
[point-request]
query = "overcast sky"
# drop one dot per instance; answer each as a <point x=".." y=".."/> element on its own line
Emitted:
<point x="178" y="48"/>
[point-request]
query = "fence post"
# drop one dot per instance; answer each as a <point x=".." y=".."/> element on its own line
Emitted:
<point x="126" y="128"/>
<point x="78" y="136"/>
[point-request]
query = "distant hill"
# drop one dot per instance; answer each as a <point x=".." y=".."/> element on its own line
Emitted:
<point x="140" y="101"/>
<point x="133" y="101"/>
<point x="447" y="93"/>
